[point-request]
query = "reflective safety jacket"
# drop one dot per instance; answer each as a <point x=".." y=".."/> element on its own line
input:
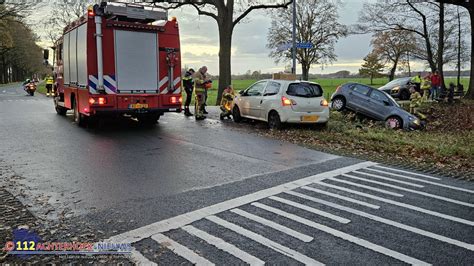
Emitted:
<point x="199" y="80"/>
<point x="49" y="80"/>
<point x="188" y="82"/>
<point x="416" y="79"/>
<point x="415" y="99"/>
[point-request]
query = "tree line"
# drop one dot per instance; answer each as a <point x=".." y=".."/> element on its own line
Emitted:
<point x="20" y="56"/>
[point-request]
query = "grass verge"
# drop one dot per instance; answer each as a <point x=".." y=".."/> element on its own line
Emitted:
<point x="445" y="146"/>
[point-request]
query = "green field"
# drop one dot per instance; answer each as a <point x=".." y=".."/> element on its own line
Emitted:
<point x="329" y="85"/>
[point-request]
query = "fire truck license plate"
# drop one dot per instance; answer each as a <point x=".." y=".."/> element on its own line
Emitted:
<point x="138" y="106"/>
<point x="309" y="118"/>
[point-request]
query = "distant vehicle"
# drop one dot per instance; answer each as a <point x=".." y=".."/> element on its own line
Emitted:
<point x="282" y="101"/>
<point x="398" y="88"/>
<point x="30" y="88"/>
<point x="373" y="103"/>
<point x="116" y="60"/>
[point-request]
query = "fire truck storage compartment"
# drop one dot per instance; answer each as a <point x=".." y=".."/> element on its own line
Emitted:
<point x="74" y="57"/>
<point x="136" y="61"/>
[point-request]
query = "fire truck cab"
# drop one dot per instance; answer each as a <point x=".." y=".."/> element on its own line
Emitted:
<point x="119" y="59"/>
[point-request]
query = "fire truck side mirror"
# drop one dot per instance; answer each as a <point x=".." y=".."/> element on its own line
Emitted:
<point x="45" y="54"/>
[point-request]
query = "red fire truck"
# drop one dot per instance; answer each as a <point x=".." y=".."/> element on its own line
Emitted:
<point x="119" y="59"/>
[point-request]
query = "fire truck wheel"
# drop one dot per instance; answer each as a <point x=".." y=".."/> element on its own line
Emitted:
<point x="79" y="118"/>
<point x="59" y="109"/>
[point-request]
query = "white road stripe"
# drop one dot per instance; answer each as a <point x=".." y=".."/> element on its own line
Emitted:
<point x="366" y="187"/>
<point x="139" y="259"/>
<point x="413" y="191"/>
<point x="389" y="179"/>
<point x="312" y="210"/>
<point x="222" y="245"/>
<point x="190" y="217"/>
<point x="406" y="172"/>
<point x="180" y="250"/>
<point x="276" y="226"/>
<point x="363" y="203"/>
<point x="264" y="241"/>
<point x="400" y="204"/>
<point x="386" y="221"/>
<point x="419" y="180"/>
<point x="342" y="235"/>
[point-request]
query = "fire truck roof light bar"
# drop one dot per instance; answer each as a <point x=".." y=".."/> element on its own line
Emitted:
<point x="136" y="12"/>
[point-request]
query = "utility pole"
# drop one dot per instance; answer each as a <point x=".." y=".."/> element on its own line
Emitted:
<point x="293" y="69"/>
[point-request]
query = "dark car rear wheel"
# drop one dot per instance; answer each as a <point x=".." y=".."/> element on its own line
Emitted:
<point x="236" y="114"/>
<point x="338" y="104"/>
<point x="274" y="121"/>
<point x="394" y="122"/>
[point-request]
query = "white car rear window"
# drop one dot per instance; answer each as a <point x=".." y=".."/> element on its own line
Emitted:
<point x="308" y="90"/>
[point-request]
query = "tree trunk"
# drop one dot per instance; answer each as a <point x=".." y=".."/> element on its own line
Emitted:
<point x="441" y="44"/>
<point x="225" y="45"/>
<point x="371" y="79"/>
<point x="391" y="76"/>
<point x="459" y="49"/>
<point x="305" y="71"/>
<point x="470" y="90"/>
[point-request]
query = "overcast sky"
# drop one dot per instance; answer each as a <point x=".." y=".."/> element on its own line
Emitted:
<point x="199" y="41"/>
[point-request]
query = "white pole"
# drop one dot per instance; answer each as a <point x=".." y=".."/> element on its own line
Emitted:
<point x="293" y="69"/>
<point x="100" y="63"/>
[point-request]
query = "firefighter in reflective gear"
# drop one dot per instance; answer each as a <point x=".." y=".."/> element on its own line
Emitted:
<point x="415" y="101"/>
<point x="200" y="83"/>
<point x="49" y="85"/>
<point x="227" y="102"/>
<point x="416" y="80"/>
<point x="425" y="88"/>
<point x="188" y="85"/>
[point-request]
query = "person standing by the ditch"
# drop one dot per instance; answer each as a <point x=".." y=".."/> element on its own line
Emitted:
<point x="435" y="85"/>
<point x="49" y="85"/>
<point x="416" y="80"/>
<point x="188" y="85"/>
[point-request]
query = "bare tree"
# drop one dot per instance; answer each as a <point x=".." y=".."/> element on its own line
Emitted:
<point x="393" y="47"/>
<point x="316" y="24"/>
<point x="469" y="5"/>
<point x="227" y="14"/>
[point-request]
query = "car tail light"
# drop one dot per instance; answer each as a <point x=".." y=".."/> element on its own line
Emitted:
<point x="180" y="100"/>
<point x="102" y="101"/>
<point x="287" y="102"/>
<point x="324" y="102"/>
<point x="91" y="100"/>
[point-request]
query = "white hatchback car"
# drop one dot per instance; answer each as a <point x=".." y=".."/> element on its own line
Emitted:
<point x="282" y="101"/>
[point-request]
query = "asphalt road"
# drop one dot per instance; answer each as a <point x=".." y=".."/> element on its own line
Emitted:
<point x="214" y="192"/>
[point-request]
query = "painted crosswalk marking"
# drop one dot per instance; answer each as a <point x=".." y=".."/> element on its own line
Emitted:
<point x="221" y="244"/>
<point x="298" y="197"/>
<point x="405" y="172"/>
<point x="264" y="241"/>
<point x="412" y="191"/>
<point x="391" y="179"/>
<point x="276" y="226"/>
<point x="340" y="234"/>
<point x="397" y="203"/>
<point x="385" y="221"/>
<point x="180" y="250"/>
<point x="366" y="187"/>
<point x="421" y="180"/>
<point x="312" y="210"/>
<point x="363" y="203"/>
